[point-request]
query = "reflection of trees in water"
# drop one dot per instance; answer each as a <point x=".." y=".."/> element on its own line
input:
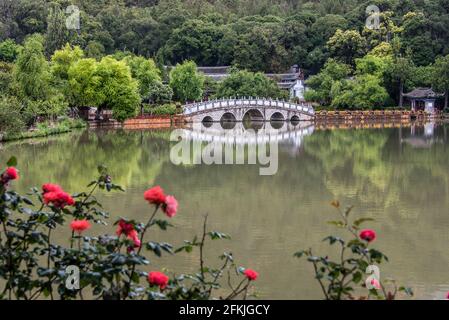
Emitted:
<point x="72" y="159"/>
<point x="372" y="167"/>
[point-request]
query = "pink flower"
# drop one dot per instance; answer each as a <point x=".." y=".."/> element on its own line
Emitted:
<point x="49" y="187"/>
<point x="59" y="199"/>
<point x="375" y="283"/>
<point x="170" y="207"/>
<point x="155" y="195"/>
<point x="80" y="225"/>
<point x="251" y="274"/>
<point x="367" y="235"/>
<point x="128" y="230"/>
<point x="156" y="278"/>
<point x="447" y="295"/>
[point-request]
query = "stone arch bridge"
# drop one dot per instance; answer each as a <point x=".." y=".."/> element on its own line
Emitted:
<point x="255" y="108"/>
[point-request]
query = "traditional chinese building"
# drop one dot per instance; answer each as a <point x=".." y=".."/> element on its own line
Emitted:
<point x="423" y="99"/>
<point x="292" y="80"/>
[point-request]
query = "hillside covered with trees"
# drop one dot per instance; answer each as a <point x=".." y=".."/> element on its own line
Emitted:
<point x="117" y="56"/>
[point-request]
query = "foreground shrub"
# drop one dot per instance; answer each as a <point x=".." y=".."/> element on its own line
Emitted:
<point x="111" y="266"/>
<point x="342" y="278"/>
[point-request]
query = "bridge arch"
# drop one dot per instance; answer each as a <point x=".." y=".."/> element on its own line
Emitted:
<point x="207" y="119"/>
<point x="295" y="120"/>
<point x="277" y="116"/>
<point x="253" y="115"/>
<point x="228" y="117"/>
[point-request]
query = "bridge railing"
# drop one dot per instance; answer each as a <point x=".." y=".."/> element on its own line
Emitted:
<point x="234" y="102"/>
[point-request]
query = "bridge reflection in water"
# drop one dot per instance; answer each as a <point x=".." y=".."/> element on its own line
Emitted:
<point x="241" y="133"/>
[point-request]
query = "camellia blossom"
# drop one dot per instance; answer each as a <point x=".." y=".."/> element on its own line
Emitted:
<point x="156" y="278"/>
<point x="80" y="225"/>
<point x="367" y="235"/>
<point x="155" y="195"/>
<point x="59" y="199"/>
<point x="170" y="207"/>
<point x="251" y="274"/>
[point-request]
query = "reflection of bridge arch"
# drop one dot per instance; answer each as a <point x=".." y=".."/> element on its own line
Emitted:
<point x="266" y="108"/>
<point x="238" y="134"/>
<point x="277" y="116"/>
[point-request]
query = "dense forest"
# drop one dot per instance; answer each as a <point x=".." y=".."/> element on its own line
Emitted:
<point x="348" y="64"/>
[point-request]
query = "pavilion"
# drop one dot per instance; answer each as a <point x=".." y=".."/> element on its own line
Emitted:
<point x="423" y="99"/>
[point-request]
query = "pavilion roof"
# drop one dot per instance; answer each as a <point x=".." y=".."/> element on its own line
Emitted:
<point x="422" y="93"/>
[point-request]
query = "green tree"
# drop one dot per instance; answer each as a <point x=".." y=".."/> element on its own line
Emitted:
<point x="186" y="82"/>
<point x="63" y="59"/>
<point x="32" y="70"/>
<point x="347" y="45"/>
<point x="8" y="50"/>
<point x="119" y="89"/>
<point x="441" y="77"/>
<point x="320" y="85"/>
<point x="401" y="70"/>
<point x="363" y="92"/>
<point x="84" y="84"/>
<point x="246" y="83"/>
<point x="145" y="72"/>
<point x="57" y="34"/>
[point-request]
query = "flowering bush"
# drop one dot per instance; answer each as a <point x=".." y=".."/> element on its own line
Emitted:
<point x="340" y="278"/>
<point x="110" y="266"/>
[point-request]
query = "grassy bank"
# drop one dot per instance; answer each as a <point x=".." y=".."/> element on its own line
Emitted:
<point x="45" y="129"/>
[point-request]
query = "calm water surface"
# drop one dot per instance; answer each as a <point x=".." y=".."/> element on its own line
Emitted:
<point x="400" y="177"/>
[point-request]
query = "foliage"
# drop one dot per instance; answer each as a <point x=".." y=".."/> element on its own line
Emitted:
<point x="440" y="77"/>
<point x="84" y="82"/>
<point x="342" y="278"/>
<point x="362" y="93"/>
<point x="146" y="73"/>
<point x="346" y="46"/>
<point x="8" y="50"/>
<point x="160" y="93"/>
<point x="33" y="265"/>
<point x="11" y="120"/>
<point x="321" y="84"/>
<point x="186" y="82"/>
<point x="249" y="84"/>
<point x="165" y="109"/>
<point x="119" y="90"/>
<point x="32" y="70"/>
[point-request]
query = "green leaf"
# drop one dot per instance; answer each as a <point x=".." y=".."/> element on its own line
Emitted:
<point x="12" y="162"/>
<point x="358" y="222"/>
<point x="339" y="224"/>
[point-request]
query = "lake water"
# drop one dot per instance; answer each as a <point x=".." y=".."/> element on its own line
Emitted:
<point x="399" y="176"/>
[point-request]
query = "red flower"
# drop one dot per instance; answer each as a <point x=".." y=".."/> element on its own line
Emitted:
<point x="124" y="228"/>
<point x="156" y="278"/>
<point x="59" y="199"/>
<point x="447" y="295"/>
<point x="170" y="206"/>
<point x="155" y="195"/>
<point x="11" y="173"/>
<point x="80" y="225"/>
<point x="49" y="187"/>
<point x="251" y="274"/>
<point x="367" y="235"/>
<point x="128" y="230"/>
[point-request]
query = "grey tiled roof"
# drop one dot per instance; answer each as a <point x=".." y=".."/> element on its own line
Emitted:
<point x="422" y="93"/>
